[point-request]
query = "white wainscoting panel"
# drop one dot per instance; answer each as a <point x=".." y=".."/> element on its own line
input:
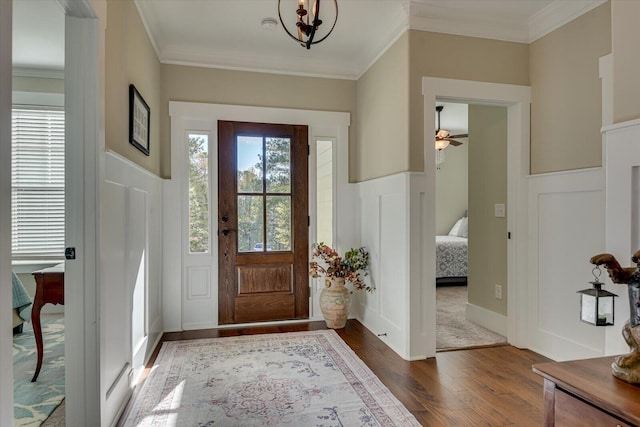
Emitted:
<point x="566" y="229"/>
<point x="622" y="166"/>
<point x="384" y="232"/>
<point x="130" y="286"/>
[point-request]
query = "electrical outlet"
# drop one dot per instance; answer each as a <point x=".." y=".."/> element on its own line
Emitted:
<point x="499" y="210"/>
<point x="499" y="291"/>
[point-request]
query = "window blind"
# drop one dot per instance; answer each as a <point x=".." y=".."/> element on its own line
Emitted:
<point x="37" y="183"/>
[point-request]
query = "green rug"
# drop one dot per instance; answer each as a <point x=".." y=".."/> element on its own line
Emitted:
<point x="34" y="402"/>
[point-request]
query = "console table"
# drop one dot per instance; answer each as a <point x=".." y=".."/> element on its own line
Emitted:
<point x="584" y="392"/>
<point x="49" y="289"/>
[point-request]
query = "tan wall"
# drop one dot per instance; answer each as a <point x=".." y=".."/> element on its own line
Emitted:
<point x="452" y="188"/>
<point x="625" y="34"/>
<point x="130" y="59"/>
<point x="383" y="114"/>
<point x="457" y="57"/>
<point x="566" y="98"/>
<point x="36" y="84"/>
<point x="487" y="186"/>
<point x="195" y="84"/>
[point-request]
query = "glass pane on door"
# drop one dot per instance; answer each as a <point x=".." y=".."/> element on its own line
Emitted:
<point x="250" y="223"/>
<point x="278" y="165"/>
<point x="249" y="165"/>
<point x="279" y="223"/>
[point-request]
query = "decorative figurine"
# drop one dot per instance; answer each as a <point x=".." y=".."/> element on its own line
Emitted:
<point x="626" y="367"/>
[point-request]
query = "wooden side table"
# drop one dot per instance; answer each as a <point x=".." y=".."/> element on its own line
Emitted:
<point x="584" y="392"/>
<point x="49" y="289"/>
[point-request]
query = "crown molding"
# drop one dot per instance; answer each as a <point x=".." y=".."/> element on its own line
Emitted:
<point x="558" y="14"/>
<point x="248" y="61"/>
<point x="488" y="30"/>
<point x="40" y="73"/>
<point x="146" y="15"/>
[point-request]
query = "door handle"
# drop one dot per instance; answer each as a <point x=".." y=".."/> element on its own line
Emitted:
<point x="225" y="232"/>
<point x="225" y="218"/>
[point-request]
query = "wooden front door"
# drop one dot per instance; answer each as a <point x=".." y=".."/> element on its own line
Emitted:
<point x="263" y="236"/>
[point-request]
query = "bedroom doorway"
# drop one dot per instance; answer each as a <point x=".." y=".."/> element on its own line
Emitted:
<point x="471" y="193"/>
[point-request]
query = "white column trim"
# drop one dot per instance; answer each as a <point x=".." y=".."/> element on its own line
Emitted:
<point x="6" y="352"/>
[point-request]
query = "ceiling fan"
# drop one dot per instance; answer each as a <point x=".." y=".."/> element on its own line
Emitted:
<point x="444" y="137"/>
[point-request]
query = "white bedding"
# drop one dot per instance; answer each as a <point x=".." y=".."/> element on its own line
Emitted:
<point x="451" y="256"/>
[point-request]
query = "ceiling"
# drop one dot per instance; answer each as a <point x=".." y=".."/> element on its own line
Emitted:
<point x="229" y="34"/>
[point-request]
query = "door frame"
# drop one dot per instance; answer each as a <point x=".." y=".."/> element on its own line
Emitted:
<point x="84" y="30"/>
<point x="6" y="340"/>
<point x="84" y="166"/>
<point x="517" y="99"/>
<point x="199" y="305"/>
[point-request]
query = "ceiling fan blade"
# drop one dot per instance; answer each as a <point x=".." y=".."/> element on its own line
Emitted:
<point x="454" y="143"/>
<point x="462" y="135"/>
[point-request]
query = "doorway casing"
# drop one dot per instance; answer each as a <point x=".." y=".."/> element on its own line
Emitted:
<point x="517" y="100"/>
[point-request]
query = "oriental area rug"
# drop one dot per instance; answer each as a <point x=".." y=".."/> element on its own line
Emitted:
<point x="291" y="379"/>
<point x="34" y="402"/>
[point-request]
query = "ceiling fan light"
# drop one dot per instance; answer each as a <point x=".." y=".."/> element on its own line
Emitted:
<point x="441" y="144"/>
<point x="442" y="133"/>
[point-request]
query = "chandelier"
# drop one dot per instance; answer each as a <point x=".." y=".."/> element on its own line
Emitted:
<point x="309" y="22"/>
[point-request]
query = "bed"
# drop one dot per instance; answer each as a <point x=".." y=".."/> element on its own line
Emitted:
<point x="451" y="255"/>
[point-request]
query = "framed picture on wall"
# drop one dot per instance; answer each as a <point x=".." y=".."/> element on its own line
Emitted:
<point x="139" y="119"/>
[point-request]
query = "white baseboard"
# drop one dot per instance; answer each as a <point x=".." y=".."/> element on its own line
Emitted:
<point x="488" y="319"/>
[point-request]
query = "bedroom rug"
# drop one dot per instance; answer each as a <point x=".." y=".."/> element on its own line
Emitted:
<point x="34" y="402"/>
<point x="453" y="330"/>
<point x="290" y="379"/>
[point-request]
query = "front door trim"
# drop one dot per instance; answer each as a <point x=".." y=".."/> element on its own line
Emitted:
<point x="202" y="311"/>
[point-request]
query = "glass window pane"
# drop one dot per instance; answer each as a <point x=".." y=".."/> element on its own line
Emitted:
<point x="278" y="152"/>
<point x="278" y="223"/>
<point x="250" y="223"/>
<point x="198" y="193"/>
<point x="249" y="164"/>
<point x="324" y="188"/>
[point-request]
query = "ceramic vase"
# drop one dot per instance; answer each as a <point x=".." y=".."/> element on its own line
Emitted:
<point x="335" y="302"/>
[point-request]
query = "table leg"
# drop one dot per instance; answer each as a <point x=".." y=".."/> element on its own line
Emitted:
<point x="37" y="332"/>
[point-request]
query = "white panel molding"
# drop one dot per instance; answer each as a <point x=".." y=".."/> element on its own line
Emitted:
<point x="391" y="220"/>
<point x="517" y="100"/>
<point x="198" y="283"/>
<point x="486" y="318"/>
<point x="383" y="207"/>
<point x="200" y="117"/>
<point x="622" y="165"/>
<point x="566" y="225"/>
<point x="131" y="249"/>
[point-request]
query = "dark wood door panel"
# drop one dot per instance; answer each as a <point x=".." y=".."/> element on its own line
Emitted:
<point x="265" y="308"/>
<point x="256" y="279"/>
<point x="262" y="278"/>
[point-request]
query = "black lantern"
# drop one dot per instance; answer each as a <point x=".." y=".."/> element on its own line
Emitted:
<point x="596" y="305"/>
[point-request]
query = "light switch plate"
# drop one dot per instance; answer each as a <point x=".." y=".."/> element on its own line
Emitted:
<point x="499" y="210"/>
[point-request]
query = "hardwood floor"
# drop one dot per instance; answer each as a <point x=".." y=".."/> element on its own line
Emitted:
<point x="481" y="387"/>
